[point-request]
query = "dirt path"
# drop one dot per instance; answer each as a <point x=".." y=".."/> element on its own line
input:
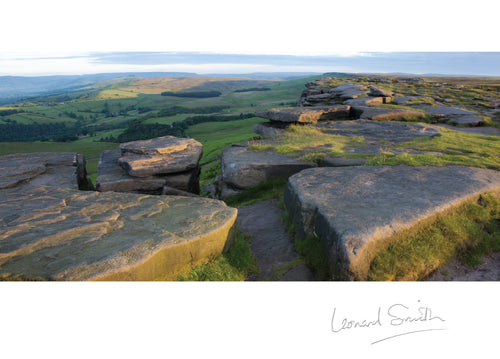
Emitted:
<point x="271" y="244"/>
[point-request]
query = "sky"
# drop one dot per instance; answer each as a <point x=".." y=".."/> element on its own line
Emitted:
<point x="61" y="37"/>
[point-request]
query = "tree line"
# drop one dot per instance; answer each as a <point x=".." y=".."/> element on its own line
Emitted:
<point x="195" y="94"/>
<point x="140" y="131"/>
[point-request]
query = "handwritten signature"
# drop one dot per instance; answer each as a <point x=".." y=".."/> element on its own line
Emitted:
<point x="396" y="315"/>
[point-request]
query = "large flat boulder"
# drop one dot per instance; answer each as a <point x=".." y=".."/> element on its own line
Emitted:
<point x="305" y="114"/>
<point x="112" y="177"/>
<point x="162" y="155"/>
<point x="243" y="169"/>
<point x="65" y="234"/>
<point x="456" y="116"/>
<point x="54" y="169"/>
<point x="385" y="114"/>
<point x="357" y="211"/>
<point x="50" y="230"/>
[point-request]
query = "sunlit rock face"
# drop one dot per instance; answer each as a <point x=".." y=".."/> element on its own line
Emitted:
<point x="356" y="211"/>
<point x="50" y="230"/>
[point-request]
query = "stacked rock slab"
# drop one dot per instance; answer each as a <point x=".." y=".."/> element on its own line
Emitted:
<point x="50" y="230"/>
<point x="164" y="165"/>
<point x="357" y="211"/>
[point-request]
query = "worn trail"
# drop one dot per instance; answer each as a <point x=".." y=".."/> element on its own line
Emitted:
<point x="271" y="243"/>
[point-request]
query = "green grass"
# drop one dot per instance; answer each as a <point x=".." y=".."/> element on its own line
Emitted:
<point x="458" y="149"/>
<point x="235" y="265"/>
<point x="310" y="143"/>
<point x="214" y="136"/>
<point x="469" y="232"/>
<point x="310" y="249"/>
<point x="263" y="191"/>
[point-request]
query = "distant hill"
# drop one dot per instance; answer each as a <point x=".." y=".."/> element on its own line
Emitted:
<point x="16" y="87"/>
<point x="13" y="88"/>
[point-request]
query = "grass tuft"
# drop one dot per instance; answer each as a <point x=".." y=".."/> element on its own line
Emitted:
<point x="263" y="191"/>
<point x="235" y="265"/>
<point x="468" y="233"/>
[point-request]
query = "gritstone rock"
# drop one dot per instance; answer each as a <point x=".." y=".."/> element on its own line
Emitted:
<point x="112" y="177"/>
<point x="305" y="114"/>
<point x="243" y="169"/>
<point x="50" y="230"/>
<point x="385" y="114"/>
<point x="356" y="211"/>
<point x="162" y="155"/>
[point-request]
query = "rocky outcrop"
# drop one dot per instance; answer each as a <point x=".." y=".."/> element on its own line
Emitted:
<point x="385" y="114"/>
<point x="289" y="115"/>
<point x="380" y="92"/>
<point x="267" y="129"/>
<point x="455" y="116"/>
<point x="244" y="169"/>
<point x="158" y="156"/>
<point x="51" y="169"/>
<point x="394" y="132"/>
<point x="50" y="230"/>
<point x="357" y="211"/>
<point x="349" y="91"/>
<point x="164" y="165"/>
<point x="112" y="177"/>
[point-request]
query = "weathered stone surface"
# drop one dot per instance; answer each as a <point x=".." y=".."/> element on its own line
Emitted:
<point x="348" y="91"/>
<point x="50" y="230"/>
<point x="377" y="91"/>
<point x="112" y="177"/>
<point x="456" y="116"/>
<point x="395" y="132"/>
<point x="356" y="211"/>
<point x="385" y="114"/>
<point x="157" y="146"/>
<point x="267" y="129"/>
<point x="243" y="169"/>
<point x="147" y="164"/>
<point x="467" y="120"/>
<point x="305" y="114"/>
<point x="448" y="111"/>
<point x="54" y="169"/>
<point x="65" y="234"/>
<point x="367" y="101"/>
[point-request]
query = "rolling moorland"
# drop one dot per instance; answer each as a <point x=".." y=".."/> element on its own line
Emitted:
<point x="92" y="120"/>
<point x="217" y="112"/>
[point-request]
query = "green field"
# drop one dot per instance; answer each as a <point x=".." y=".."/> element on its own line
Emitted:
<point x="104" y="112"/>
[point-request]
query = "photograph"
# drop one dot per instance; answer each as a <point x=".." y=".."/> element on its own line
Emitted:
<point x="241" y="179"/>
